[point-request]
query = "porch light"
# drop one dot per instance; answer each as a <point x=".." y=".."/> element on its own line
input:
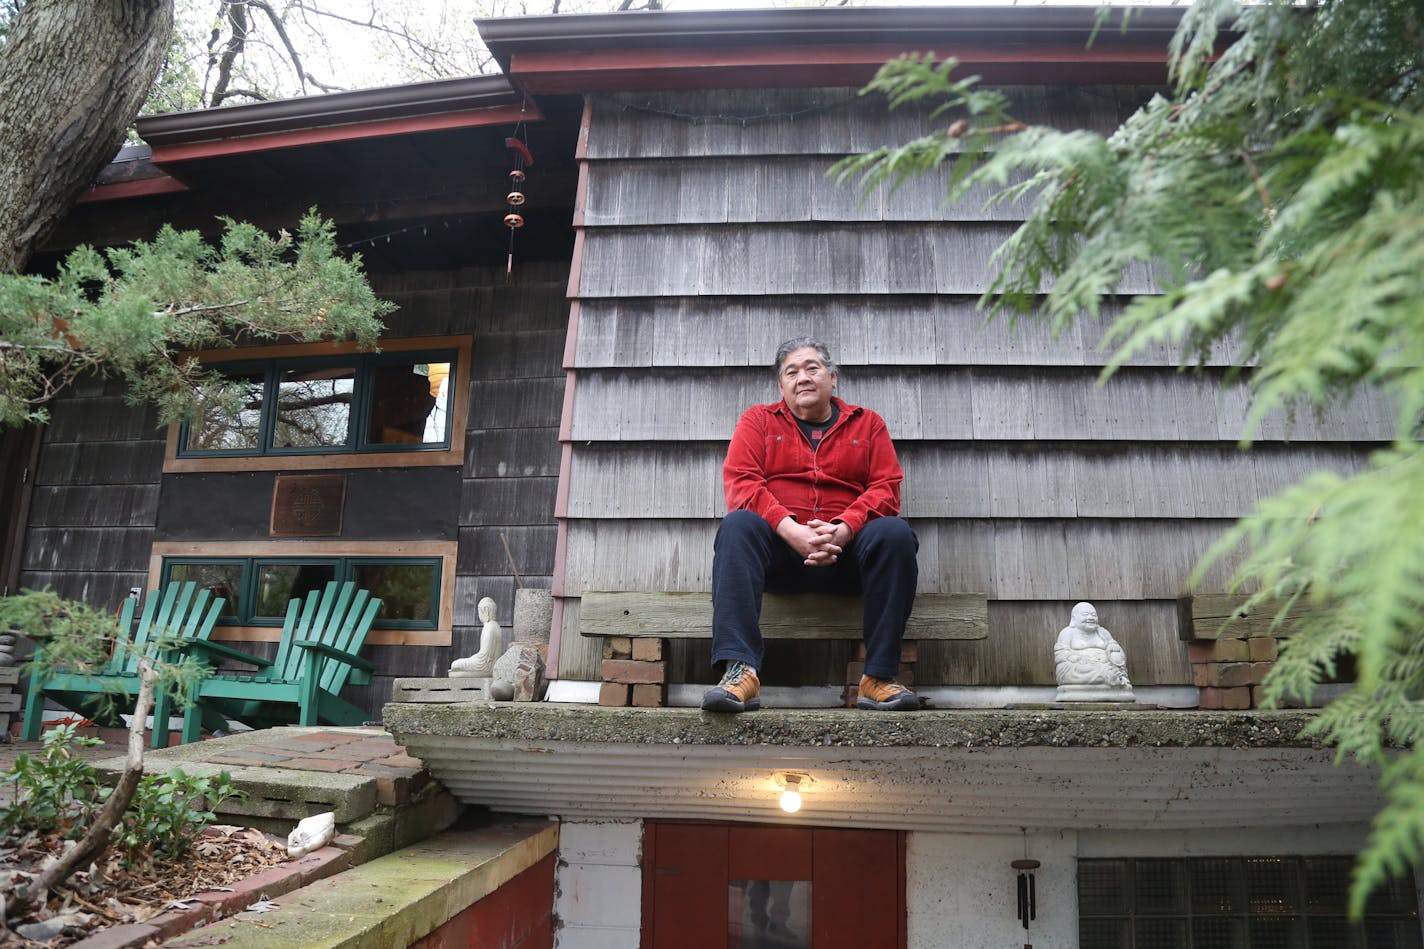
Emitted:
<point x="791" y="783"/>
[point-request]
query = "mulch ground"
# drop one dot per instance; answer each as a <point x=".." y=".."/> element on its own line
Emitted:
<point x="114" y="891"/>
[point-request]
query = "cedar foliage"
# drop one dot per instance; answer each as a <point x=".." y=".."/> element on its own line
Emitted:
<point x="134" y="313"/>
<point x="1276" y="191"/>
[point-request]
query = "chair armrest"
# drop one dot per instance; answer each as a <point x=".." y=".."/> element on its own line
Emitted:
<point x="214" y="650"/>
<point x="331" y="652"/>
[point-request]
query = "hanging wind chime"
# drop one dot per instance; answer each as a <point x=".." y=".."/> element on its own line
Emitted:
<point x="1027" y="893"/>
<point x="515" y="199"/>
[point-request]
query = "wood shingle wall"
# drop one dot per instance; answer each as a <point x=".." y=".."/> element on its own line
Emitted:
<point x="96" y="505"/>
<point x="710" y="233"/>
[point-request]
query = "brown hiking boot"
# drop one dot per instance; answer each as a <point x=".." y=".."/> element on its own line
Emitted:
<point x="885" y="695"/>
<point x="737" y="692"/>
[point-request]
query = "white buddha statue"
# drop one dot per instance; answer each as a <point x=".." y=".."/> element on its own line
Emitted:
<point x="481" y="664"/>
<point x="1088" y="663"/>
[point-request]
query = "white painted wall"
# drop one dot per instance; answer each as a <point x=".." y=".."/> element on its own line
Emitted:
<point x="961" y="893"/>
<point x="598" y="886"/>
<point x="960" y="888"/>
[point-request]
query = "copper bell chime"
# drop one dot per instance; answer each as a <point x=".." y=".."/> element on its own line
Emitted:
<point x="515" y="199"/>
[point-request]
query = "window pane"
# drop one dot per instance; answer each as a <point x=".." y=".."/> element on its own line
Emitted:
<point x="1331" y="932"/>
<point x="407" y="591"/>
<point x="1102" y="887"/>
<point x="231" y="421"/>
<point x="1276" y="933"/>
<point x="1217" y="886"/>
<point x="1217" y="933"/>
<point x="314" y="407"/>
<point x="1270" y="885"/>
<point x="1104" y="934"/>
<point x="1392" y="933"/>
<point x="1159" y="886"/>
<point x="1161" y="933"/>
<point x="409" y="404"/>
<point x="223" y="579"/>
<point x="1327" y="883"/>
<point x="278" y="583"/>
<point x="768" y="914"/>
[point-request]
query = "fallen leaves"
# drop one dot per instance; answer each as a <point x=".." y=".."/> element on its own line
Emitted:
<point x="111" y="892"/>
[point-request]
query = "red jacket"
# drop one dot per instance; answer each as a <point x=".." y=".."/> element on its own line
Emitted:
<point x="852" y="477"/>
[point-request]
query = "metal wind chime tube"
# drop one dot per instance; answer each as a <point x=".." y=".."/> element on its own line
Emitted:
<point x="1027" y="892"/>
<point x="513" y="219"/>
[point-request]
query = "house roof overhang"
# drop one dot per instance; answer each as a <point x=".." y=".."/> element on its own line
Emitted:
<point x="960" y="770"/>
<point x="827" y="46"/>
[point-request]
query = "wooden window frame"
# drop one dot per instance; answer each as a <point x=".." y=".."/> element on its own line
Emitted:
<point x="443" y="551"/>
<point x="459" y="389"/>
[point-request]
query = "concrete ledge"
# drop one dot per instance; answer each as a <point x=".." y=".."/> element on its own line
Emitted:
<point x="395" y="900"/>
<point x="799" y="728"/>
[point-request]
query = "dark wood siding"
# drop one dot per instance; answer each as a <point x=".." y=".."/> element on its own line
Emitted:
<point x="101" y="499"/>
<point x="711" y="233"/>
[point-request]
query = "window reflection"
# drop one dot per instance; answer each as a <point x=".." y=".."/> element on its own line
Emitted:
<point x="224" y="580"/>
<point x="404" y="589"/>
<point x="769" y="914"/>
<point x="409" y="404"/>
<point x="314" y="407"/>
<point x="280" y="583"/>
<point x="232" y="420"/>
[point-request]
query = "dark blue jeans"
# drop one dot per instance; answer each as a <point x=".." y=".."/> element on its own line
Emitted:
<point x="748" y="559"/>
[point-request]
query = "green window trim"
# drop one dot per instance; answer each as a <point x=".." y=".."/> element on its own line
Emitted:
<point x="356" y="380"/>
<point x="240" y="580"/>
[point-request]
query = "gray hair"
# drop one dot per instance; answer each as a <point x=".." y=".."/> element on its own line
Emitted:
<point x="804" y="342"/>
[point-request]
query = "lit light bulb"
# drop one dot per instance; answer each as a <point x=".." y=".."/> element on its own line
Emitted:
<point x="791" y="801"/>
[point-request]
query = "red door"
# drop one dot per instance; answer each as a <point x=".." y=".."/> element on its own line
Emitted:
<point x="746" y="886"/>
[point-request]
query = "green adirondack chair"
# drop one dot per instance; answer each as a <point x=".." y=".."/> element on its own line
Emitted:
<point x="317" y="656"/>
<point x="180" y="611"/>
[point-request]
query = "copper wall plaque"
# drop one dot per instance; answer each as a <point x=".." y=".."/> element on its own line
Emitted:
<point x="308" y="505"/>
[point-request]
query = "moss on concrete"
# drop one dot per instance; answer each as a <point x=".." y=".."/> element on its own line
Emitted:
<point x="967" y="728"/>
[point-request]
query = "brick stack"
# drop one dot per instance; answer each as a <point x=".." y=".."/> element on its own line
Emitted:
<point x="1231" y="648"/>
<point x="634" y="672"/>
<point x="909" y="652"/>
<point x="1229" y="672"/>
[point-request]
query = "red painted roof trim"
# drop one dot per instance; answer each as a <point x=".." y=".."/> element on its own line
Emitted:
<point x="728" y="67"/>
<point x="138" y="188"/>
<point x="298" y="138"/>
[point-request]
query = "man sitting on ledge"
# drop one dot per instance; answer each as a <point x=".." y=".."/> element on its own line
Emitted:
<point x="813" y="490"/>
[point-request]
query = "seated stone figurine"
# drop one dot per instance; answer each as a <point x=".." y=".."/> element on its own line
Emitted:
<point x="1088" y="663"/>
<point x="481" y="664"/>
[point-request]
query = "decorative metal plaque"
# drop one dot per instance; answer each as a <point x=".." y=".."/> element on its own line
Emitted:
<point x="308" y="505"/>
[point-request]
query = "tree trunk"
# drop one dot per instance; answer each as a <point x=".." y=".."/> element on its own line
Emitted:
<point x="96" y="839"/>
<point x="73" y="74"/>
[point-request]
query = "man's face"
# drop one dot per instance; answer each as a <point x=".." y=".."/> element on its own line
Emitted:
<point x="1088" y="620"/>
<point x="806" y="386"/>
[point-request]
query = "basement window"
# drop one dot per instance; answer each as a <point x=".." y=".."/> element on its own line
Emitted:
<point x="1238" y="903"/>
<point x="258" y="589"/>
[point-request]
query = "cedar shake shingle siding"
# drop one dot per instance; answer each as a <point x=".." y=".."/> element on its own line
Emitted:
<point x="707" y="240"/>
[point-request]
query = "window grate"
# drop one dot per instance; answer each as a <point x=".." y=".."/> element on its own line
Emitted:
<point x="1289" y="902"/>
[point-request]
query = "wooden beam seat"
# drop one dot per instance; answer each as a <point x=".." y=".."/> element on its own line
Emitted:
<point x="783" y="616"/>
<point x="635" y="625"/>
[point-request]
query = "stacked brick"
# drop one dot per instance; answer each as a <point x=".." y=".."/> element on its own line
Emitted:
<point x="909" y="652"/>
<point x="1229" y="672"/>
<point x="1231" y="649"/>
<point x="634" y="672"/>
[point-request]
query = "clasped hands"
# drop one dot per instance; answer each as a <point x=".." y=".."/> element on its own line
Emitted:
<point x="820" y="542"/>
